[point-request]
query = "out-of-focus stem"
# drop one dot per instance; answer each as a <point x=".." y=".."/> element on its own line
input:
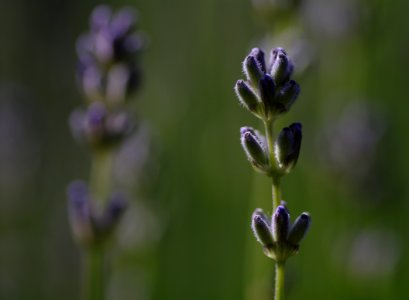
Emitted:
<point x="100" y="185"/>
<point x="100" y="181"/>
<point x="94" y="285"/>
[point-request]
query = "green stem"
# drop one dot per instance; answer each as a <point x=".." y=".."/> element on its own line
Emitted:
<point x="268" y="127"/>
<point x="94" y="288"/>
<point x="100" y="187"/>
<point x="100" y="181"/>
<point x="276" y="193"/>
<point x="279" y="284"/>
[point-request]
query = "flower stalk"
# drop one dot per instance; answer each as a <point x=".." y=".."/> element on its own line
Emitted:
<point x="268" y="92"/>
<point x="107" y="75"/>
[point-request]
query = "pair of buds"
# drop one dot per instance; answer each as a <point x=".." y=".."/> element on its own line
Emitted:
<point x="286" y="149"/>
<point x="92" y="225"/>
<point x="99" y="127"/>
<point x="280" y="238"/>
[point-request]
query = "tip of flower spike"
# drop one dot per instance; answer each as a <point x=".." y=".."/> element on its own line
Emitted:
<point x="245" y="129"/>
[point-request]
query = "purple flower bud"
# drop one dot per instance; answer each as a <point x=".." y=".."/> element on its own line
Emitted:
<point x="95" y="121"/>
<point x="91" y="81"/>
<point x="287" y="96"/>
<point x="267" y="88"/>
<point x="80" y="211"/>
<point x="100" y="17"/>
<point x="281" y="224"/>
<point x="252" y="70"/>
<point x="116" y="206"/>
<point x="254" y="147"/>
<point x="106" y="221"/>
<point x="247" y="96"/>
<point x="123" y="22"/>
<point x="299" y="229"/>
<point x="261" y="228"/>
<point x="287" y="147"/>
<point x="281" y="66"/>
<point x="258" y="54"/>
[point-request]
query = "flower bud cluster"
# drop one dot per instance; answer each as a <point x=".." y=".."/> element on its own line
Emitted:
<point x="96" y="126"/>
<point x="90" y="225"/>
<point x="107" y="74"/>
<point x="280" y="239"/>
<point x="269" y="92"/>
<point x="286" y="149"/>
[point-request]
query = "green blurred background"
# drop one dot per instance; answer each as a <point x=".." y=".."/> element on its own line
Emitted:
<point x="188" y="235"/>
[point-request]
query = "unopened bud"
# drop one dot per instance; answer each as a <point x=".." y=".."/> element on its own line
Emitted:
<point x="252" y="70"/>
<point x="261" y="228"/>
<point x="247" y="96"/>
<point x="281" y="66"/>
<point x="258" y="54"/>
<point x="287" y="147"/>
<point x="267" y="88"/>
<point x="104" y="223"/>
<point x="281" y="224"/>
<point x="100" y="17"/>
<point x="80" y="212"/>
<point x="299" y="229"/>
<point x="255" y="149"/>
<point x="287" y="96"/>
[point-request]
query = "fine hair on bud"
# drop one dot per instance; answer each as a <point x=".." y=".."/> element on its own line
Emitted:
<point x="281" y="224"/>
<point x="247" y="96"/>
<point x="258" y="54"/>
<point x="281" y="66"/>
<point x="255" y="149"/>
<point x="252" y="70"/>
<point x="287" y="147"/>
<point x="288" y="95"/>
<point x="267" y="88"/>
<point x="299" y="228"/>
<point x="261" y="228"/>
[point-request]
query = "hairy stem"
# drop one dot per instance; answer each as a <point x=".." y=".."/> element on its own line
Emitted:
<point x="268" y="127"/>
<point x="276" y="193"/>
<point x="279" y="281"/>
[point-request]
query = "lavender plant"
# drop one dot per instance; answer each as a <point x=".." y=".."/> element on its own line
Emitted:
<point x="107" y="73"/>
<point x="269" y="92"/>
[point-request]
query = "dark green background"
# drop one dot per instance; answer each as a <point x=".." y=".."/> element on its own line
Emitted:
<point x="203" y="189"/>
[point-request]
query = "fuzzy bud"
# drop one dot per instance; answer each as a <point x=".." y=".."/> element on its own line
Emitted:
<point x="267" y="88"/>
<point x="299" y="229"/>
<point x="254" y="147"/>
<point x="247" y="96"/>
<point x="281" y="224"/>
<point x="258" y="54"/>
<point x="252" y="70"/>
<point x="287" y="147"/>
<point x="80" y="212"/>
<point x="281" y="66"/>
<point x="287" y="96"/>
<point x="261" y="228"/>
